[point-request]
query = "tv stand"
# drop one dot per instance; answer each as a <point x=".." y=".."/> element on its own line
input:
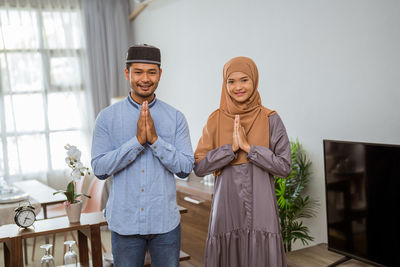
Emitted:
<point x="339" y="261"/>
<point x="319" y="255"/>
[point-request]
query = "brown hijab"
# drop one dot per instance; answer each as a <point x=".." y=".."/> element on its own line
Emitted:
<point x="253" y="116"/>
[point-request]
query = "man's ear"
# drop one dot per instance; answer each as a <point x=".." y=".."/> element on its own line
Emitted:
<point x="160" y="72"/>
<point x="127" y="73"/>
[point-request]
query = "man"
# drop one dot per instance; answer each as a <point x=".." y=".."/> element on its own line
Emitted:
<point x="142" y="142"/>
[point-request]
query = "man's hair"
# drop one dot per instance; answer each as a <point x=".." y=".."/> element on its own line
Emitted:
<point x="128" y="65"/>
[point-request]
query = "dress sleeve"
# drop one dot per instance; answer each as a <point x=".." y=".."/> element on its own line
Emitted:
<point x="276" y="159"/>
<point x="214" y="160"/>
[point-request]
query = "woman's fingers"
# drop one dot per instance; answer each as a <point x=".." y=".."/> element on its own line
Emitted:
<point x="235" y="141"/>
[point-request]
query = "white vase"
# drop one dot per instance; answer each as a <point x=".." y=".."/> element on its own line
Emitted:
<point x="74" y="212"/>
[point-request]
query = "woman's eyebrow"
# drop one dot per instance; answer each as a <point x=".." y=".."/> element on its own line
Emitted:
<point x="244" y="77"/>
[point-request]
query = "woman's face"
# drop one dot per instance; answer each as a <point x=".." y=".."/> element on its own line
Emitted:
<point x="240" y="86"/>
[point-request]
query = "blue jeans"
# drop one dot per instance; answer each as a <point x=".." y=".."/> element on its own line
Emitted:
<point x="130" y="250"/>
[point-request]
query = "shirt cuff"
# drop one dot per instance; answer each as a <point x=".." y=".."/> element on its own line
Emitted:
<point x="159" y="146"/>
<point x="135" y="148"/>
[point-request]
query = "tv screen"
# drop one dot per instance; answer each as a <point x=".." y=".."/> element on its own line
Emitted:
<point x="362" y="183"/>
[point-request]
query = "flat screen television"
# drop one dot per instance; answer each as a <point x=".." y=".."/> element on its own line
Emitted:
<point x="362" y="185"/>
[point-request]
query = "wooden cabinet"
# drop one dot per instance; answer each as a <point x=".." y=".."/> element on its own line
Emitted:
<point x="196" y="198"/>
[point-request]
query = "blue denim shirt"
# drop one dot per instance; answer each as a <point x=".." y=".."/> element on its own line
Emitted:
<point x="142" y="199"/>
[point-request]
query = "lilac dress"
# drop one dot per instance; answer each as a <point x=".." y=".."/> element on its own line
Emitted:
<point x="244" y="226"/>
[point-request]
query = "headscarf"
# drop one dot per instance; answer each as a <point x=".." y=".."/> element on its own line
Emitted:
<point x="253" y="116"/>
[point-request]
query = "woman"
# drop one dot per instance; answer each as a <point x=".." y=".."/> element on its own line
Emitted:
<point x="244" y="144"/>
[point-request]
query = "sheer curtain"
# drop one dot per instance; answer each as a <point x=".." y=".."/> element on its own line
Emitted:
<point x="107" y="35"/>
<point x="44" y="101"/>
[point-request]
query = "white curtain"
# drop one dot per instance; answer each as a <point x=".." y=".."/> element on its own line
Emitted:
<point x="44" y="100"/>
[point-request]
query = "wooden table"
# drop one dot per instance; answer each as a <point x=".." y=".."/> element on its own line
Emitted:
<point x="7" y="210"/>
<point x="89" y="226"/>
<point x="41" y="193"/>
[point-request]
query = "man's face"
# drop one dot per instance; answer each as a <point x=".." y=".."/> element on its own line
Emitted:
<point x="143" y="78"/>
<point x="240" y="86"/>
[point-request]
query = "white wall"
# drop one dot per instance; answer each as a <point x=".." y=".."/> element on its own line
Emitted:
<point x="330" y="68"/>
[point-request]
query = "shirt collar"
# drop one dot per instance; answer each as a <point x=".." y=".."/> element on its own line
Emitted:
<point x="137" y="106"/>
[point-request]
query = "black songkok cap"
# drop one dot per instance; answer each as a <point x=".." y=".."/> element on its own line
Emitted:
<point x="143" y="53"/>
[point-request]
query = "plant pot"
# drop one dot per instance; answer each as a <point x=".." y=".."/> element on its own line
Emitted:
<point x="74" y="211"/>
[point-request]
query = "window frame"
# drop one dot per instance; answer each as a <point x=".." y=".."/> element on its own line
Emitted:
<point x="46" y="54"/>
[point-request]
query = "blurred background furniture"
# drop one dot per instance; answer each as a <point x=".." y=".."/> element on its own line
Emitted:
<point x="89" y="227"/>
<point x="93" y="204"/>
<point x="196" y="197"/>
<point x="42" y="194"/>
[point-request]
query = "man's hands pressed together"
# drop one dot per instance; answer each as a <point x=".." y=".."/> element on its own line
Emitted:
<point x="239" y="137"/>
<point x="146" y="131"/>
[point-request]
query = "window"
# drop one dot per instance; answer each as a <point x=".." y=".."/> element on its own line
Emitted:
<point x="43" y="97"/>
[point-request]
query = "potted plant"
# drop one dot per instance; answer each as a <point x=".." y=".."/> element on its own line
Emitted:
<point x="293" y="204"/>
<point x="73" y="205"/>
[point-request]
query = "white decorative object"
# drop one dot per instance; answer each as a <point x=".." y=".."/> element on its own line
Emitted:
<point x="74" y="211"/>
<point x="73" y="206"/>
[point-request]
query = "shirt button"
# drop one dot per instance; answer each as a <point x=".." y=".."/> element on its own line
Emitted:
<point x="161" y="157"/>
<point x="142" y="209"/>
<point x="142" y="190"/>
<point x="129" y="160"/>
<point x="142" y="170"/>
<point x="155" y="147"/>
<point x="142" y="153"/>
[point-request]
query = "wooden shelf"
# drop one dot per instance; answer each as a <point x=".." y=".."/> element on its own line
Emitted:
<point x="195" y="187"/>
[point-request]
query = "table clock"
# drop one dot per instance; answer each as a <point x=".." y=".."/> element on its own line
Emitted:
<point x="25" y="215"/>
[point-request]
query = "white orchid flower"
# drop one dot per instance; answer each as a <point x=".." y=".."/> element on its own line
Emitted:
<point x="76" y="175"/>
<point x="73" y="160"/>
<point x="78" y="165"/>
<point x="74" y="153"/>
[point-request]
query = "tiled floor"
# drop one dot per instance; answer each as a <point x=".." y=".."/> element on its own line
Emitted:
<point x="59" y="248"/>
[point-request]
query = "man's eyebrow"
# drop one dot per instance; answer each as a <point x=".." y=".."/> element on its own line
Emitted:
<point x="139" y="69"/>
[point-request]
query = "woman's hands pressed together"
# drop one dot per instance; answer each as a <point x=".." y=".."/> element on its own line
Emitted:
<point x="239" y="137"/>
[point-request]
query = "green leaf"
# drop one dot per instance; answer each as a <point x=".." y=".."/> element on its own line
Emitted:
<point x="293" y="204"/>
